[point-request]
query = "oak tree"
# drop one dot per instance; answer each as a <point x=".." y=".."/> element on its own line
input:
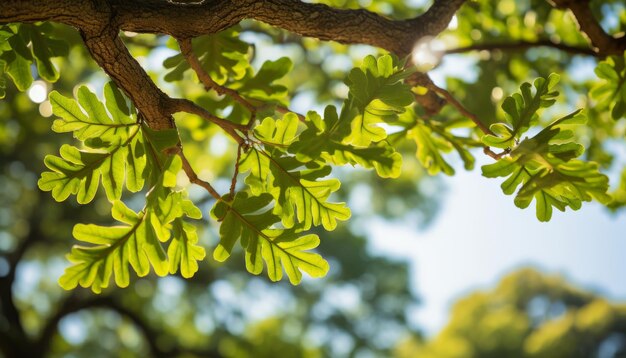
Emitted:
<point x="132" y="137"/>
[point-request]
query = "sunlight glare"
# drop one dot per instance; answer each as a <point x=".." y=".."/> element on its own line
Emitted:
<point x="454" y="23"/>
<point x="38" y="92"/>
<point x="427" y="53"/>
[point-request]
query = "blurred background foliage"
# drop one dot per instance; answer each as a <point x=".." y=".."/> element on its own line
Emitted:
<point x="529" y="314"/>
<point x="362" y="309"/>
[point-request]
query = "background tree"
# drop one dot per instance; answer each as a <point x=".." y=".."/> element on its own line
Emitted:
<point x="528" y="315"/>
<point x="248" y="119"/>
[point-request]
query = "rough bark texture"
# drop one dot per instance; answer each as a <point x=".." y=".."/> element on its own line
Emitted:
<point x="100" y="21"/>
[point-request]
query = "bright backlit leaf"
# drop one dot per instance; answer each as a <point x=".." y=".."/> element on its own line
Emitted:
<point x="250" y="221"/>
<point x="544" y="167"/>
<point x="610" y="92"/>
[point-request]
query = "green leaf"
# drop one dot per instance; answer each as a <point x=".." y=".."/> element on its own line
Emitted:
<point x="183" y="252"/>
<point x="300" y="196"/>
<point x="382" y="157"/>
<point x="114" y="249"/>
<point x="378" y="95"/>
<point x="433" y="138"/>
<point x="78" y="173"/>
<point x="521" y="111"/>
<point x="544" y="169"/>
<point x="610" y="93"/>
<point x="278" y="132"/>
<point x="502" y="137"/>
<point x="258" y="165"/>
<point x="92" y="121"/>
<point x="24" y="44"/>
<point x="222" y="55"/>
<point x="261" y="86"/>
<point x="429" y="148"/>
<point x="248" y="220"/>
<point x="138" y="242"/>
<point x="18" y="70"/>
<point x="115" y="153"/>
<point x="3" y="84"/>
<point x="161" y="139"/>
<point x="323" y="139"/>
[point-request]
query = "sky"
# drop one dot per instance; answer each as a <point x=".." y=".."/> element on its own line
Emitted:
<point x="479" y="236"/>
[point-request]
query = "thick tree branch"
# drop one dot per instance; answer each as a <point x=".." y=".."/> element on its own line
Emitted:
<point x="194" y="19"/>
<point x="605" y="44"/>
<point x="356" y="26"/>
<point x="101" y="20"/>
<point x="108" y="50"/>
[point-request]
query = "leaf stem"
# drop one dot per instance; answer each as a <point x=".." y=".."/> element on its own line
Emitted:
<point x="233" y="182"/>
<point x="455" y="103"/>
<point x="184" y="105"/>
<point x="186" y="49"/>
<point x="494" y="155"/>
<point x="191" y="174"/>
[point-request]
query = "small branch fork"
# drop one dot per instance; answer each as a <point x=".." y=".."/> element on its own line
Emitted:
<point x="455" y="103"/>
<point x="433" y="88"/>
<point x="191" y="174"/>
<point x="187" y="51"/>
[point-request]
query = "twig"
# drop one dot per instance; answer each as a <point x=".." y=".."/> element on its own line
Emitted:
<point x="523" y="45"/>
<point x="453" y="101"/>
<point x="233" y="182"/>
<point x="191" y="174"/>
<point x="285" y="110"/>
<point x="185" y="105"/>
<point x="204" y="77"/>
<point x="604" y="43"/>
<point x="494" y="155"/>
<point x="209" y="84"/>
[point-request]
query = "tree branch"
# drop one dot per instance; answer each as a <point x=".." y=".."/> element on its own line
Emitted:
<point x="101" y="20"/>
<point x="108" y="50"/>
<point x="605" y="44"/>
<point x="191" y="174"/>
<point x="456" y="104"/>
<point x="524" y="45"/>
<point x="184" y="105"/>
<point x="194" y="19"/>
<point x="187" y="51"/>
<point x="356" y="26"/>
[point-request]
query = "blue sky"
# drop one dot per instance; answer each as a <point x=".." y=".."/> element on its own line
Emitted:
<point x="479" y="236"/>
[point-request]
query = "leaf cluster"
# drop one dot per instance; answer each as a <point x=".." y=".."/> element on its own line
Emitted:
<point x="543" y="167"/>
<point x="287" y="158"/>
<point x="22" y="45"/>
<point x="610" y="92"/>
<point x="120" y="152"/>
